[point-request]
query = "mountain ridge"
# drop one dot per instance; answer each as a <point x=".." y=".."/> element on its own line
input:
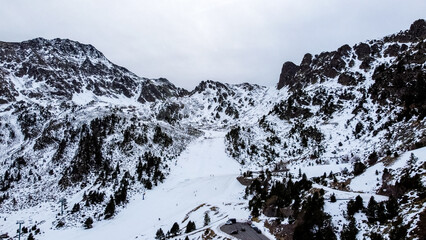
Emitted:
<point x="62" y="67"/>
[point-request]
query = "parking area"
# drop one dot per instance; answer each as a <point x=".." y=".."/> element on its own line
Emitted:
<point x="242" y="231"/>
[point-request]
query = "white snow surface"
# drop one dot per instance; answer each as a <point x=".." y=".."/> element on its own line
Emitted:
<point x="368" y="181"/>
<point x="204" y="176"/>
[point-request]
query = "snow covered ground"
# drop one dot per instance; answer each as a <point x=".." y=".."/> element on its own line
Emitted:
<point x="203" y="180"/>
<point x="370" y="180"/>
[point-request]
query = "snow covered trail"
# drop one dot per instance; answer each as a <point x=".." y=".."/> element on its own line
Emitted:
<point x="204" y="174"/>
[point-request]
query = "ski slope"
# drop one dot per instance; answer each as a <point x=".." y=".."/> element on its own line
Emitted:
<point x="203" y="180"/>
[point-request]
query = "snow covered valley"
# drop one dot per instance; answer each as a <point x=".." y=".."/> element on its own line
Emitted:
<point x="204" y="179"/>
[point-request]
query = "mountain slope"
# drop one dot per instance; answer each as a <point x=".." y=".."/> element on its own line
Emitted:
<point x="332" y="112"/>
<point x="196" y="175"/>
<point x="348" y="111"/>
<point x="75" y="126"/>
<point x="70" y="129"/>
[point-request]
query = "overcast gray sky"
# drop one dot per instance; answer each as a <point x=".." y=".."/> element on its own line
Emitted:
<point x="187" y="41"/>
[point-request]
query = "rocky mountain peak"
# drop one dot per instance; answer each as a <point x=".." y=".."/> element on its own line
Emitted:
<point x="209" y="84"/>
<point x="416" y="32"/>
<point x="159" y="89"/>
<point x="65" y="47"/>
<point x="418" y="29"/>
<point x="62" y="69"/>
<point x="335" y="64"/>
<point x="289" y="70"/>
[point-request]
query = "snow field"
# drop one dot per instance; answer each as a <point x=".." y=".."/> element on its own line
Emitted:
<point x="368" y="181"/>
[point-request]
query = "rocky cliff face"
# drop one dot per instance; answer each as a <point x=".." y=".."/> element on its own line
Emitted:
<point x="338" y="64"/>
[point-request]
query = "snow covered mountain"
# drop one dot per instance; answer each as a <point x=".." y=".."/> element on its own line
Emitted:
<point x="73" y="122"/>
<point x="62" y="69"/>
<point x="75" y="126"/>
<point x="346" y="118"/>
<point x="352" y="101"/>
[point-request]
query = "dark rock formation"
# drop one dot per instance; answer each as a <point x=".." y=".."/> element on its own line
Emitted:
<point x="288" y="71"/>
<point x="416" y="32"/>
<point x="362" y="50"/>
<point x="329" y="65"/>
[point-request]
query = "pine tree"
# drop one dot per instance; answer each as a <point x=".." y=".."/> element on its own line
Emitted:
<point x="296" y="204"/>
<point x="31" y="237"/>
<point x="351" y="209"/>
<point x="381" y="213"/>
<point x="121" y="194"/>
<point x="190" y="227"/>
<point x="412" y="160"/>
<point x="372" y="159"/>
<point x="139" y="170"/>
<point x="117" y="168"/>
<point x="88" y="223"/>
<point x="110" y="208"/>
<point x="355" y="206"/>
<point x="359" y="168"/>
<point x="75" y="208"/>
<point x="255" y="211"/>
<point x="175" y="229"/>
<point x="392" y="207"/>
<point x="359" y="203"/>
<point x="304" y="177"/>
<point x="350" y="231"/>
<point x="316" y="224"/>
<point x="160" y="235"/>
<point x="333" y="198"/>
<point x="206" y="219"/>
<point x="147" y="184"/>
<point x="371" y="210"/>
